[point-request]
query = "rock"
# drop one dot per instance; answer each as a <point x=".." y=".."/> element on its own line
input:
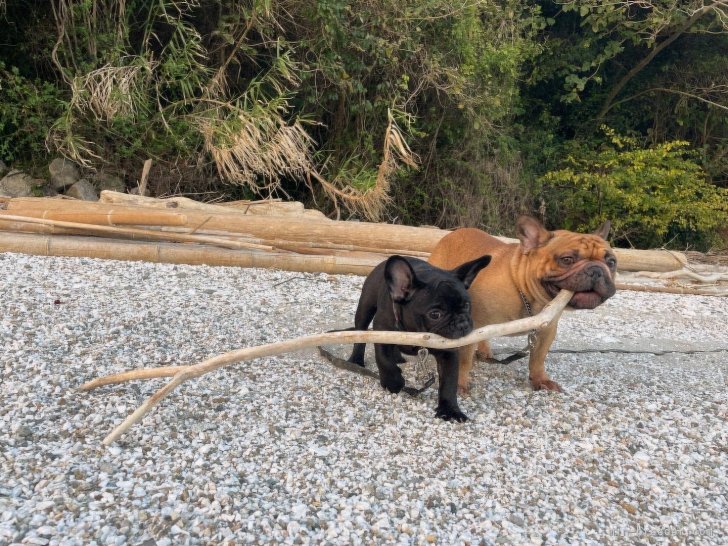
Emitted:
<point x="3" y="168"/>
<point x="18" y="184"/>
<point x="107" y="181"/>
<point x="64" y="173"/>
<point x="23" y="432"/>
<point x="83" y="189"/>
<point x="515" y="519"/>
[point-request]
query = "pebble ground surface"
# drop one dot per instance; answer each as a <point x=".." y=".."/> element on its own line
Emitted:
<point x="289" y="450"/>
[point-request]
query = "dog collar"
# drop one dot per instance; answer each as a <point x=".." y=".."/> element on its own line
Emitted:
<point x="525" y="303"/>
<point x="532" y="333"/>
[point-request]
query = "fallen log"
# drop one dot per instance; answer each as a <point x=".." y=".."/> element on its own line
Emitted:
<point x="264" y="207"/>
<point x="549" y="313"/>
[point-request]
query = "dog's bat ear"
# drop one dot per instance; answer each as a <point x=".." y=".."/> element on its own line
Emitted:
<point x="531" y="233"/>
<point x="469" y="270"/>
<point x="603" y="230"/>
<point x="401" y="279"/>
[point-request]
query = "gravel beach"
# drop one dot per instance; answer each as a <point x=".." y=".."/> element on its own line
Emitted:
<point x="289" y="450"/>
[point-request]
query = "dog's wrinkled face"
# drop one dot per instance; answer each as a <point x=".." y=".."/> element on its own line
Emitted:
<point x="582" y="263"/>
<point x="586" y="268"/>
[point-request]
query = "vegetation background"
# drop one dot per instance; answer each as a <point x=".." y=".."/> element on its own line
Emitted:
<point x="458" y="112"/>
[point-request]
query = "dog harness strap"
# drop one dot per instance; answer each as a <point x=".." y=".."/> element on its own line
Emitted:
<point x="355" y="368"/>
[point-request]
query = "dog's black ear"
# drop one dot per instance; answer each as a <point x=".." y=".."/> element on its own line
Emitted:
<point x="603" y="230"/>
<point x="531" y="233"/>
<point x="401" y="279"/>
<point x="469" y="270"/>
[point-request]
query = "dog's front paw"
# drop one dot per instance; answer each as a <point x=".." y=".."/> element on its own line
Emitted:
<point x="392" y="382"/>
<point x="447" y="412"/>
<point x="546" y="385"/>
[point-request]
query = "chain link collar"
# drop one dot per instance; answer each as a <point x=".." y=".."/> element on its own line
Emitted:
<point x="529" y="312"/>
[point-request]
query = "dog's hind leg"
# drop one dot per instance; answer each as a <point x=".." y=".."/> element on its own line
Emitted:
<point x="365" y="312"/>
<point x="465" y="360"/>
<point x="484" y="351"/>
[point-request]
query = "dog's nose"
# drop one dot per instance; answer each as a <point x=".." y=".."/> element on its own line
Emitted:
<point x="596" y="272"/>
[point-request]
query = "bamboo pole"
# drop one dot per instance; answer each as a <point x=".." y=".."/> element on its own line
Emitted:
<point x="291" y="228"/>
<point x="92" y="213"/>
<point x="302" y="230"/>
<point x="110" y="249"/>
<point x="22" y="223"/>
<point x="418" y="339"/>
<point x="300" y="246"/>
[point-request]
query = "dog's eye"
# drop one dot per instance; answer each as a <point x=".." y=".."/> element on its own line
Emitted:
<point x="612" y="262"/>
<point x="566" y="260"/>
<point x="435" y="314"/>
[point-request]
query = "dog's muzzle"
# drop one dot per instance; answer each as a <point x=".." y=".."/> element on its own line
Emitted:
<point x="592" y="284"/>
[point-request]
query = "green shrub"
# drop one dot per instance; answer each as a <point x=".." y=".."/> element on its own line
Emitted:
<point x="27" y="110"/>
<point x="653" y="196"/>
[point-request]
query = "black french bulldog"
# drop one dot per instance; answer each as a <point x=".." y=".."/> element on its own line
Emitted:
<point x="411" y="295"/>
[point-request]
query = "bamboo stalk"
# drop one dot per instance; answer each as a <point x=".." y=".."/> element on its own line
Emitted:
<point x="302" y="230"/>
<point x="110" y="249"/>
<point x="294" y="246"/>
<point x="296" y="229"/>
<point x="134" y="233"/>
<point x="431" y="341"/>
<point x="92" y="213"/>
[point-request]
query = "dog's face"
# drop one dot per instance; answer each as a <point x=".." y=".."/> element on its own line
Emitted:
<point x="582" y="263"/>
<point x="432" y="299"/>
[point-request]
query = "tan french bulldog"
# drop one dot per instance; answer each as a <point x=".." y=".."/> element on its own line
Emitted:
<point x="523" y="277"/>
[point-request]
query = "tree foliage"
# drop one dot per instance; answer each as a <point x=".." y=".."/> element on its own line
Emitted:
<point x="650" y="195"/>
<point x="430" y="111"/>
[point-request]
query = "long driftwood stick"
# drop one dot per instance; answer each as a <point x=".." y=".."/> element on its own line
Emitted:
<point x="551" y="312"/>
<point x="148" y="373"/>
<point x="685" y="290"/>
<point x="685" y="274"/>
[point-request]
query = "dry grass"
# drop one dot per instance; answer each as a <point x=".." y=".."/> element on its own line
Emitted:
<point x="372" y="202"/>
<point x="255" y="150"/>
<point x="110" y="91"/>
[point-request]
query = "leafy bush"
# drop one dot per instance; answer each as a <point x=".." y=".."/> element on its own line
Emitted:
<point x="653" y="196"/>
<point x="27" y="109"/>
